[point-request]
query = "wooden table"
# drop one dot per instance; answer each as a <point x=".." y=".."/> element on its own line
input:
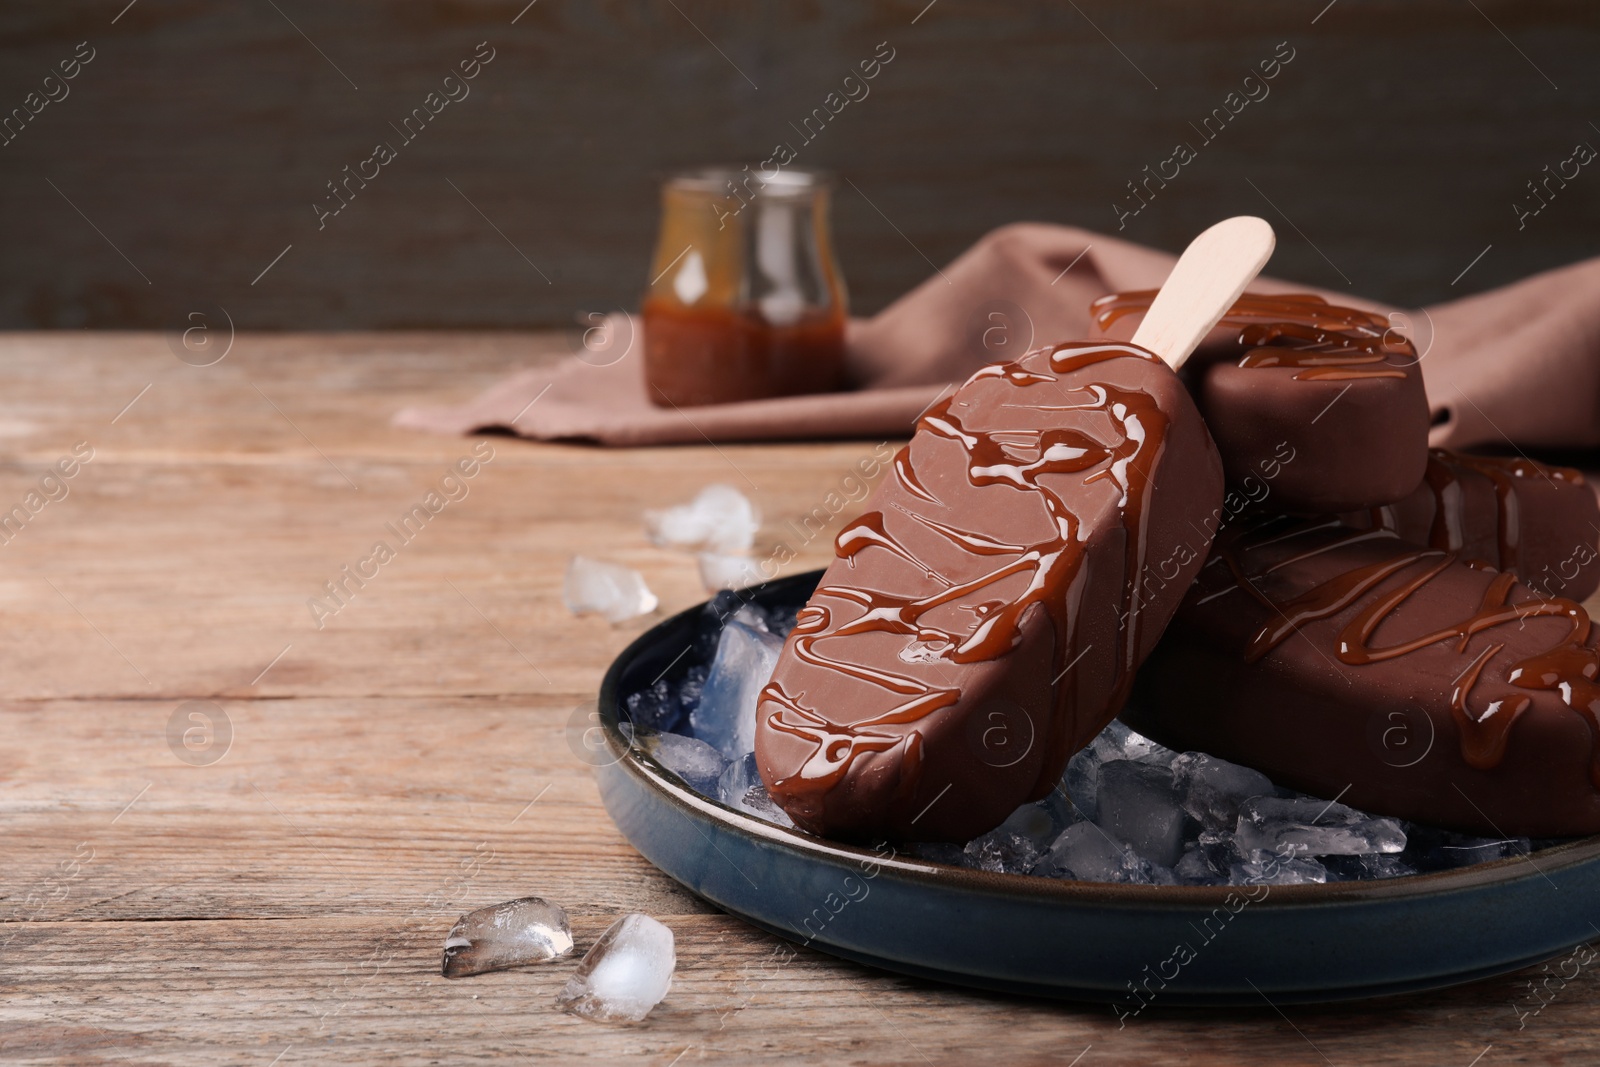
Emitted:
<point x="282" y="898"/>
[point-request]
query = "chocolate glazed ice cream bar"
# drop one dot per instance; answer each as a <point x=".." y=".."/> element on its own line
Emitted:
<point x="1541" y="523"/>
<point x="1325" y="401"/>
<point x="1348" y="662"/>
<point x="985" y="616"/>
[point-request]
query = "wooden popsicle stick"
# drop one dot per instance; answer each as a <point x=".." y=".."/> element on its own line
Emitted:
<point x="1204" y="283"/>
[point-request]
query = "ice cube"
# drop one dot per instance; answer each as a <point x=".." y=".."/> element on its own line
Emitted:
<point x="720" y="570"/>
<point x="753" y="616"/>
<point x="1082" y="782"/>
<point x="1160" y="875"/>
<point x="1203" y="865"/>
<point x="1119" y="741"/>
<point x="1139" y="804"/>
<point x="518" y="932"/>
<point x="1116" y="742"/>
<point x="1041" y="822"/>
<point x="1266" y="869"/>
<point x="714" y="615"/>
<point x="726" y="717"/>
<point x="655" y="708"/>
<point x="625" y="974"/>
<point x="719" y="519"/>
<point x="1000" y="850"/>
<point x="1214" y="789"/>
<point x="1085" y="853"/>
<point x="1314" y="827"/>
<point x="595" y="587"/>
<point x="740" y="787"/>
<point x="697" y="763"/>
<point x="688" y="692"/>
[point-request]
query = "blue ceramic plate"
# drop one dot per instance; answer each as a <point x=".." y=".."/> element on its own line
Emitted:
<point x="1126" y="944"/>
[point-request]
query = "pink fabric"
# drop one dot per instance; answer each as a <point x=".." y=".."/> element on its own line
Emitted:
<point x="1518" y="365"/>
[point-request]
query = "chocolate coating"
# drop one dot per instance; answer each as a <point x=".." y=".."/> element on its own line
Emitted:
<point x="1541" y="523"/>
<point x="1334" y="388"/>
<point x="986" y="614"/>
<point x="1350" y="663"/>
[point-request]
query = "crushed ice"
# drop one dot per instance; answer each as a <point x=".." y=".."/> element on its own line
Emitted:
<point x="1313" y="827"/>
<point x="625" y="974"/>
<point x="720" y="570"/>
<point x="1128" y="810"/>
<point x="609" y="589"/>
<point x="719" y="525"/>
<point x="740" y="786"/>
<point x="720" y="519"/>
<point x="512" y="934"/>
<point x="726" y="715"/>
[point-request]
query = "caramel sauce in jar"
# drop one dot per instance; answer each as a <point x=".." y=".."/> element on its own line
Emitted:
<point x="747" y="301"/>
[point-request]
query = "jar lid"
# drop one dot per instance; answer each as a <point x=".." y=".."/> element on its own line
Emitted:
<point x="788" y="182"/>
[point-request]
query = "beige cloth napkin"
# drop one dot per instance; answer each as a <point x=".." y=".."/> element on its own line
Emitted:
<point x="1515" y="366"/>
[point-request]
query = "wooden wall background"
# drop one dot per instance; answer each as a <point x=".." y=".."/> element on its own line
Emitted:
<point x="1391" y="149"/>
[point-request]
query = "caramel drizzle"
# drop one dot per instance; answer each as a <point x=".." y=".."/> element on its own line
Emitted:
<point x="1483" y="740"/>
<point x="1322" y="341"/>
<point x="868" y="529"/>
<point x="1570" y="666"/>
<point x="908" y="477"/>
<point x="1003" y="457"/>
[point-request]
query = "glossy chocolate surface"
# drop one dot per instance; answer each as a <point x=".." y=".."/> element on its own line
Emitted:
<point x="986" y="614"/>
<point x="1348" y="662"/>
<point x="1319" y="407"/>
<point x="1542" y="523"/>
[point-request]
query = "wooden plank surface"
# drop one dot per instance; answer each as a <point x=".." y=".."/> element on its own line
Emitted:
<point x="287" y="902"/>
<point x="188" y="154"/>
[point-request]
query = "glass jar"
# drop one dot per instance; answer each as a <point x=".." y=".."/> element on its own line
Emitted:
<point x="747" y="301"/>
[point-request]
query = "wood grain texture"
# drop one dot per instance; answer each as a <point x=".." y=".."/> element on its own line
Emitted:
<point x="287" y="902"/>
<point x="189" y="153"/>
